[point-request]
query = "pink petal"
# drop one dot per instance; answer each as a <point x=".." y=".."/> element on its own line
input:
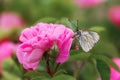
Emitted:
<point x="20" y="55"/>
<point x="26" y="35"/>
<point x="64" y="51"/>
<point x="30" y="66"/>
<point x="35" y="55"/>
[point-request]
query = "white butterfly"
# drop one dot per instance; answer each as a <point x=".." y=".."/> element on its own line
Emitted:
<point x="87" y="39"/>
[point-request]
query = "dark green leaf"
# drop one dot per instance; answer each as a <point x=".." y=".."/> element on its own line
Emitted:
<point x="61" y="71"/>
<point x="63" y="77"/>
<point x="66" y="22"/>
<point x="103" y="69"/>
<point x="74" y="24"/>
<point x="35" y="73"/>
<point x="31" y="74"/>
<point x="107" y="61"/>
<point x="74" y="52"/>
<point x="40" y="78"/>
<point x="79" y="56"/>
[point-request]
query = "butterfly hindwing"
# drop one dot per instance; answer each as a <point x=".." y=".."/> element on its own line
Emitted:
<point x="95" y="36"/>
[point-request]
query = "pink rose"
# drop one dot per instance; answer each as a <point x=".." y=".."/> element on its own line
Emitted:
<point x="88" y="3"/>
<point x="114" y="15"/>
<point x="6" y="50"/>
<point x="41" y="38"/>
<point x="115" y="75"/>
<point x="10" y="20"/>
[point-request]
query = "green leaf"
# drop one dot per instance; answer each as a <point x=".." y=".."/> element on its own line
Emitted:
<point x="66" y="22"/>
<point x="98" y="28"/>
<point x="9" y="76"/>
<point x="74" y="24"/>
<point x="103" y="69"/>
<point x="9" y="66"/>
<point x="107" y="61"/>
<point x="63" y="77"/>
<point x="61" y="71"/>
<point x="79" y="56"/>
<point x="35" y="73"/>
<point x="31" y="74"/>
<point x="40" y="78"/>
<point x="74" y="52"/>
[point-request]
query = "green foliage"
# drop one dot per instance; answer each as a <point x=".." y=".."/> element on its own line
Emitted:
<point x="66" y="22"/>
<point x="37" y="74"/>
<point x="9" y="76"/>
<point x="40" y="78"/>
<point x="78" y="56"/>
<point x="12" y="72"/>
<point x="103" y="69"/>
<point x="12" y="69"/>
<point x="59" y="77"/>
<point x="66" y="12"/>
<point x="98" y="28"/>
<point x="63" y="77"/>
<point x="88" y="70"/>
<point x="33" y="10"/>
<point x="60" y="71"/>
<point x="3" y="33"/>
<point x="106" y="60"/>
<point x="47" y="20"/>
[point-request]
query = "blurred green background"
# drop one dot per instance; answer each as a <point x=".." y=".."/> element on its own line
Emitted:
<point x="53" y="11"/>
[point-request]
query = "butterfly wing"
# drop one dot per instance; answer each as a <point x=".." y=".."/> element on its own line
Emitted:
<point x="88" y="39"/>
<point x="95" y="36"/>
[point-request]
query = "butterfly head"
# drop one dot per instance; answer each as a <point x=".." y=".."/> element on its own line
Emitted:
<point x="78" y="33"/>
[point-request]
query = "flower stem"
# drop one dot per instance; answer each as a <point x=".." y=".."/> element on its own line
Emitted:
<point x="58" y="64"/>
<point x="49" y="71"/>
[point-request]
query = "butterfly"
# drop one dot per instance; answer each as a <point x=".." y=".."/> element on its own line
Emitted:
<point x="87" y="39"/>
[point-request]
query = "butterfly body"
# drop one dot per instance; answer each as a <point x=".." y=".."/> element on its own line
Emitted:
<point x="87" y="39"/>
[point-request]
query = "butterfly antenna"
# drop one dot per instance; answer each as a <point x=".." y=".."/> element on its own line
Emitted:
<point x="77" y="26"/>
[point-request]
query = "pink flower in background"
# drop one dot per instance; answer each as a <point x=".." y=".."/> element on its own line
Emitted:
<point x="115" y="75"/>
<point x="99" y="79"/>
<point x="88" y="3"/>
<point x="10" y="20"/>
<point x="6" y="50"/>
<point x="114" y="15"/>
<point x="39" y="39"/>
